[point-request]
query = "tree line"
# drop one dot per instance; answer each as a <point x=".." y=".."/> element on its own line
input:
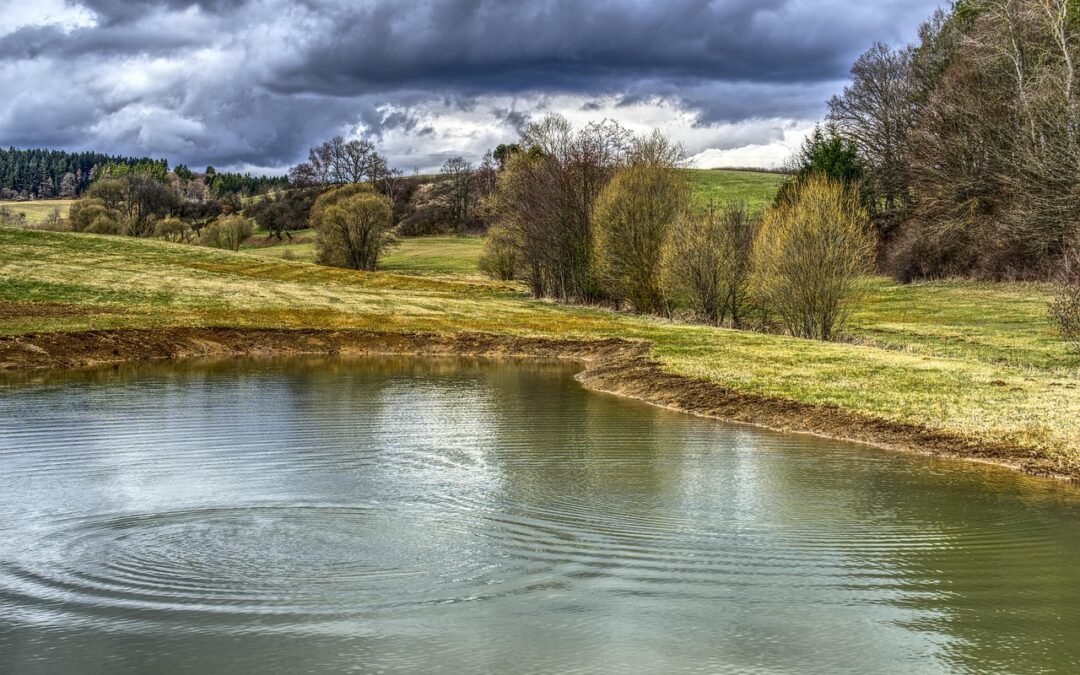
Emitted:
<point x="967" y="143"/>
<point x="55" y="174"/>
<point x="600" y="215"/>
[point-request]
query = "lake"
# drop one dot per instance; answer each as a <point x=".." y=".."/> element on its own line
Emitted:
<point x="410" y="515"/>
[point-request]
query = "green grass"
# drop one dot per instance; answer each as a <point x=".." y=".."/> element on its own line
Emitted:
<point x="757" y="189"/>
<point x="443" y="255"/>
<point x="434" y="255"/>
<point x="37" y="211"/>
<point x="978" y="360"/>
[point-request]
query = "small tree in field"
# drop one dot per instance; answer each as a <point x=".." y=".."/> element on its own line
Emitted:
<point x="352" y="229"/>
<point x="631" y="220"/>
<point x="1065" y="307"/>
<point x="172" y="229"/>
<point x="708" y="262"/>
<point x="227" y="232"/>
<point x="501" y="258"/>
<point x="811" y="257"/>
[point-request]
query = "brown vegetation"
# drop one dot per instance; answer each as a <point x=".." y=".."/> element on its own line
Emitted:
<point x="708" y="261"/>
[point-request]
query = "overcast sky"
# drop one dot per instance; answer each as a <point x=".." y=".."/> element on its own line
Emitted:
<point x="251" y="85"/>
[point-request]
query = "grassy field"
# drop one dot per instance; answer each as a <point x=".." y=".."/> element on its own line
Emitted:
<point x="970" y="359"/>
<point x="723" y="185"/>
<point x="37" y="211"/>
<point x="444" y="255"/>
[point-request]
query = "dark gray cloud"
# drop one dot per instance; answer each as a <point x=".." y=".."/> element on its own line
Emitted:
<point x="245" y="83"/>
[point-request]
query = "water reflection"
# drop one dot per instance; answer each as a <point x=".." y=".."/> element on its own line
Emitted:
<point x="406" y="515"/>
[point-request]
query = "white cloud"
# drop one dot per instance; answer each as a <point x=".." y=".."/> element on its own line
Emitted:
<point x="18" y="14"/>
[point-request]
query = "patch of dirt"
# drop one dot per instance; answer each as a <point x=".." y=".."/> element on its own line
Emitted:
<point x="43" y="310"/>
<point x="615" y="366"/>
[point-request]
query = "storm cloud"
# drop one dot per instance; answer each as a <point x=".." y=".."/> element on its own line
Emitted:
<point x="250" y="85"/>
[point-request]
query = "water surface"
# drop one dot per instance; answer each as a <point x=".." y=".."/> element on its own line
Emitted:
<point x="387" y="515"/>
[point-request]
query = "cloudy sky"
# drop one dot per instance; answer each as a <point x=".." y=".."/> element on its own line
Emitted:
<point x="250" y="85"/>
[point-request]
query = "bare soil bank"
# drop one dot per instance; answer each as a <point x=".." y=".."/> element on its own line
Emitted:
<point x="615" y="366"/>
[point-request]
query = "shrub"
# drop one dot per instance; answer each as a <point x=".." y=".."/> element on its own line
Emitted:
<point x="352" y="228"/>
<point x="811" y="256"/>
<point x="172" y="229"/>
<point x="228" y="233"/>
<point x="501" y="257"/>
<point x="1065" y="307"/>
<point x="631" y="220"/>
<point x="708" y="261"/>
<point x="85" y="211"/>
<point x="9" y="218"/>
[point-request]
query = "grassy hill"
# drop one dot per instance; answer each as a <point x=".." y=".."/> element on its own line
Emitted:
<point x="929" y="355"/>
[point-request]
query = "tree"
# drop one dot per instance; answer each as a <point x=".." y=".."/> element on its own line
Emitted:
<point x="352" y="226"/>
<point x="458" y="174"/>
<point x="339" y="162"/>
<point x="631" y="219"/>
<point x="544" y="199"/>
<point x="826" y="153"/>
<point x="811" y="256"/>
<point x="501" y="258"/>
<point x="875" y="114"/>
<point x="995" y="150"/>
<point x="709" y="259"/>
<point x="284" y="213"/>
<point x="503" y="152"/>
<point x="173" y="229"/>
<point x="94" y="216"/>
<point x="227" y="232"/>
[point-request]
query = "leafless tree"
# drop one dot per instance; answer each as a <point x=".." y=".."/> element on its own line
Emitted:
<point x="877" y="112"/>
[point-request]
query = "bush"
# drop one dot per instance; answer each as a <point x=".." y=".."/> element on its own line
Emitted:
<point x="631" y="220"/>
<point x="352" y="226"/>
<point x="501" y="257"/>
<point x="1065" y="307"/>
<point x="9" y="218"/>
<point x="708" y="261"/>
<point x="811" y="257"/>
<point x="228" y="233"/>
<point x="172" y="229"/>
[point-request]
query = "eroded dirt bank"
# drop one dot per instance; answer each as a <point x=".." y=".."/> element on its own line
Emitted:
<point x="614" y="366"/>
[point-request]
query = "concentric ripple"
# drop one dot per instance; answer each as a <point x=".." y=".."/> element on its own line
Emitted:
<point x="461" y="516"/>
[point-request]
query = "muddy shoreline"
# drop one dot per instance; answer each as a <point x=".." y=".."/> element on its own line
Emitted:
<point x="614" y="366"/>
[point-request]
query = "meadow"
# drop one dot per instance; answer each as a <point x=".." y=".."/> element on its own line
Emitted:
<point x="37" y="211"/>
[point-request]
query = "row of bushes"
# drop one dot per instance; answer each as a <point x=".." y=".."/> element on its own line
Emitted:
<point x="798" y="266"/>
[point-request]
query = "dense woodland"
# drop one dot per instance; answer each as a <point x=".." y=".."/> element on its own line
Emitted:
<point x="55" y="174"/>
<point x="968" y="142"/>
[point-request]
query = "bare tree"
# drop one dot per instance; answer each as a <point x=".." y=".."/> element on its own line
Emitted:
<point x="544" y="199"/>
<point x="458" y="173"/>
<point x="877" y="112"/>
<point x="709" y="260"/>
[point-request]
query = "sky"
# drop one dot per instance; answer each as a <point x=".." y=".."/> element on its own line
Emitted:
<point x="251" y="85"/>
